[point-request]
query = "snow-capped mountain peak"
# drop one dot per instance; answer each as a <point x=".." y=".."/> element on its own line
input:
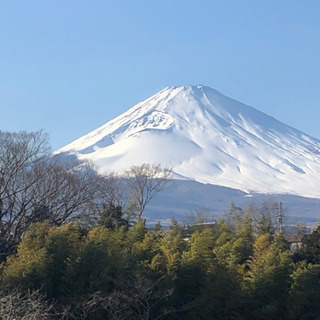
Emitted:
<point x="208" y="137"/>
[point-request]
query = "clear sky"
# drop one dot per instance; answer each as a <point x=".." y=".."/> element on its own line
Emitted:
<point x="69" y="66"/>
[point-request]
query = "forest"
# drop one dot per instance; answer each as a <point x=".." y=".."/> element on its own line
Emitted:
<point x="74" y="245"/>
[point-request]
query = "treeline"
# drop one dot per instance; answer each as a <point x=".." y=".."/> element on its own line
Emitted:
<point x="74" y="245"/>
<point x="222" y="271"/>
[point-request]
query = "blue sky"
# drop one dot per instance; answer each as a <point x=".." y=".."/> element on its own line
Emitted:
<point x="69" y="66"/>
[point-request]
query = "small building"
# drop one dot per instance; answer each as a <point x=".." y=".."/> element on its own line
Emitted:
<point x="297" y="240"/>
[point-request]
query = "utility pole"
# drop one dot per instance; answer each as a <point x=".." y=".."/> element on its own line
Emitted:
<point x="280" y="217"/>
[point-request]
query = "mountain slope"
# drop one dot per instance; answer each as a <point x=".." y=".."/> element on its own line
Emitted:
<point x="210" y="138"/>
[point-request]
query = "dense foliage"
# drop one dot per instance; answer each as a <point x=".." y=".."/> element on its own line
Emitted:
<point x="116" y="271"/>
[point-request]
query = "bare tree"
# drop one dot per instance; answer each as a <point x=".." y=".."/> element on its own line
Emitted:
<point x="66" y="190"/>
<point x="19" y="153"/>
<point x="35" y="186"/>
<point x="267" y="218"/>
<point x="110" y="191"/>
<point x="24" y="305"/>
<point x="138" y="297"/>
<point x="79" y="308"/>
<point x="145" y="182"/>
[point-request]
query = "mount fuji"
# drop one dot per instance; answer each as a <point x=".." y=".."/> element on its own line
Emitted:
<point x="206" y="137"/>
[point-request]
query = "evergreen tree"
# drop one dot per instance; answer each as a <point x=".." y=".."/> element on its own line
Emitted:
<point x="201" y="249"/>
<point x="304" y="298"/>
<point x="113" y="217"/>
<point x="311" y="248"/>
<point x="268" y="278"/>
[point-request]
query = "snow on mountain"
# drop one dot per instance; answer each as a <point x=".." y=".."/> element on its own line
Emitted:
<point x="210" y="138"/>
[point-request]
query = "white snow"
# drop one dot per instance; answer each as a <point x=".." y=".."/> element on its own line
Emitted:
<point x="210" y="138"/>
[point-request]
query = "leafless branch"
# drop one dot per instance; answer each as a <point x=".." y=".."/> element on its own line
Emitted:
<point x="24" y="305"/>
<point x="145" y="182"/>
